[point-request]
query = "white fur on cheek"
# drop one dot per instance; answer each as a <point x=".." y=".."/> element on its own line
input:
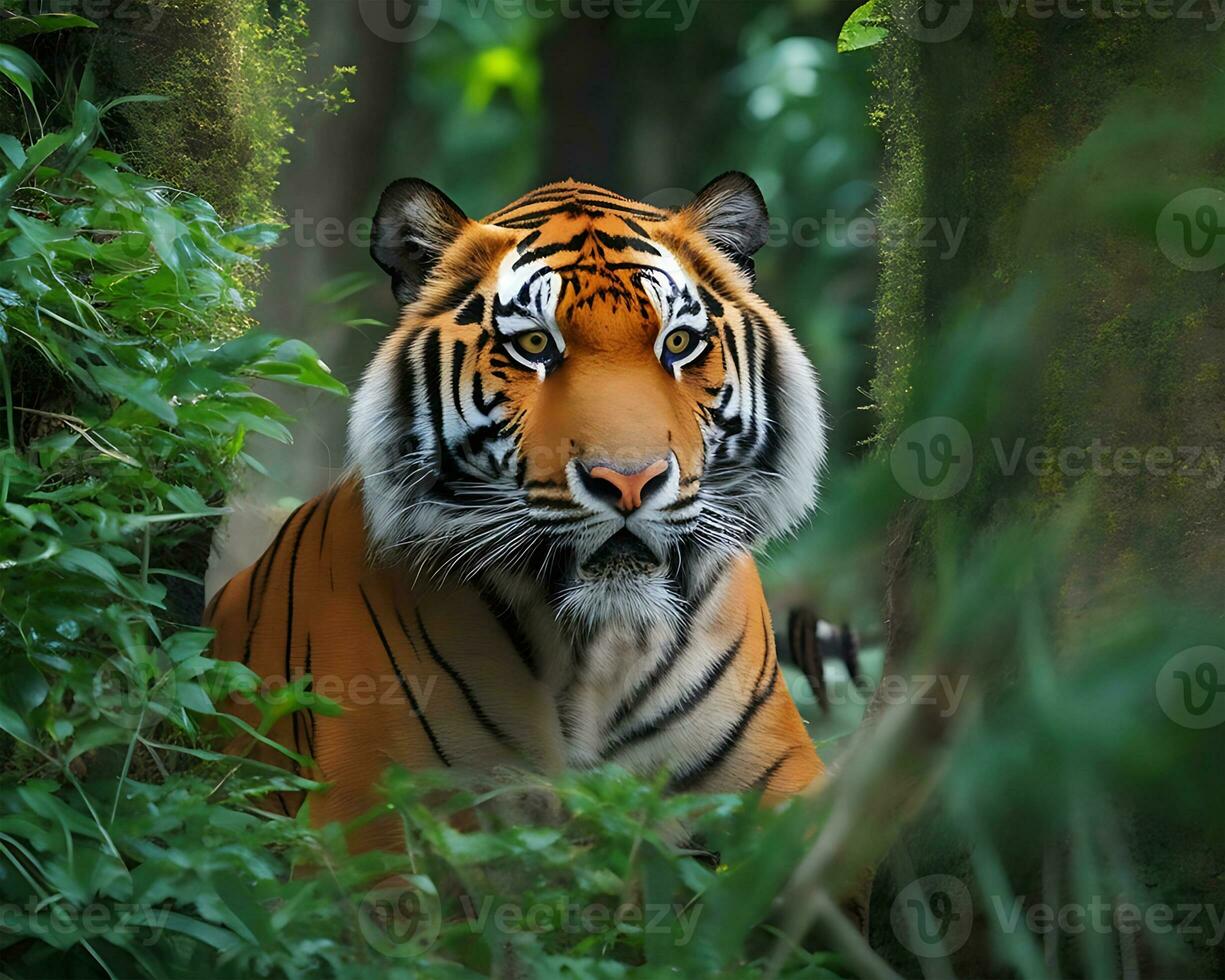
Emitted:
<point x="803" y="420"/>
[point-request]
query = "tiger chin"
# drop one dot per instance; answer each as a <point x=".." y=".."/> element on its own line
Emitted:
<point x="562" y="461"/>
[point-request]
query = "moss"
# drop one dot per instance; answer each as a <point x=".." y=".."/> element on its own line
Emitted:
<point x="231" y="74"/>
<point x="1061" y="142"/>
<point x="899" y="302"/>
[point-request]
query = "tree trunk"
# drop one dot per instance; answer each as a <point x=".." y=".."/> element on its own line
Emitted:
<point x="229" y="75"/>
<point x="1067" y="146"/>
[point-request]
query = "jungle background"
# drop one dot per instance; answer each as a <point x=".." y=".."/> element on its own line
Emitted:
<point x="999" y="231"/>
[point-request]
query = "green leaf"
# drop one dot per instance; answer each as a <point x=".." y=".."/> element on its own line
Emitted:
<point x="33" y="159"/>
<point x="12" y="149"/>
<point x="80" y="560"/>
<point x="23" y="25"/>
<point x="21" y="70"/>
<point x="862" y="29"/>
<point x="142" y="391"/>
<point x="81" y="138"/>
<point x="128" y="100"/>
<point x="14" y="724"/>
<point x="297" y="363"/>
<point x="25" y="687"/>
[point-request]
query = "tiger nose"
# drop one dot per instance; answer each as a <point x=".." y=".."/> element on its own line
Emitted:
<point x="626" y="491"/>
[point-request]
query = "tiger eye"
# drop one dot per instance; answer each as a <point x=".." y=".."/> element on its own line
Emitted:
<point x="533" y="343"/>
<point x="678" y="341"/>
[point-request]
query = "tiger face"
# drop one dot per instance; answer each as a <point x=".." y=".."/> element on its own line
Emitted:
<point x="584" y="393"/>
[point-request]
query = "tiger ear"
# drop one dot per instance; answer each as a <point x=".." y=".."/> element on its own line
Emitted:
<point x="413" y="225"/>
<point x="731" y="212"/>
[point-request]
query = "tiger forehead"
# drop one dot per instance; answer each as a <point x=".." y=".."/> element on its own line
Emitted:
<point x="603" y="260"/>
<point x="572" y="199"/>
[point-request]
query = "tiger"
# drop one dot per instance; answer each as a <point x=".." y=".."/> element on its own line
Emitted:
<point x="561" y="462"/>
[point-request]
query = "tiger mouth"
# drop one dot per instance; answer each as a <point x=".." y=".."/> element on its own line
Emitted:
<point x="622" y="555"/>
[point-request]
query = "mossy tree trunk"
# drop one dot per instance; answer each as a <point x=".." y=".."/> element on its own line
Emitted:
<point x="226" y="75"/>
<point x="1067" y="146"/>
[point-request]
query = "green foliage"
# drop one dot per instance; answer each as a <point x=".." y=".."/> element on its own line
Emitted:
<point x="232" y="72"/>
<point x="128" y="845"/>
<point x="124" y="419"/>
<point x="862" y="29"/>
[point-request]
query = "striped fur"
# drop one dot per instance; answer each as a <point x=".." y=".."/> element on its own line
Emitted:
<point x="455" y="593"/>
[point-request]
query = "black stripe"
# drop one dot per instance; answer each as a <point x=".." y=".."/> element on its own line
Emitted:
<point x="327" y="516"/>
<point x="713" y="306"/>
<point x="265" y="562"/>
<point x="473" y="311"/>
<point x="771" y="394"/>
<point x="289" y="604"/>
<point x="458" y="350"/>
<point x="486" y="722"/>
<point x="289" y="598"/>
<point x="623" y="243"/>
<point x="485" y="405"/>
<point x="763" y="781"/>
<point x="270" y="555"/>
<point x="432" y="356"/>
<point x="686" y="703"/>
<point x="749" y="386"/>
<point x="636" y="228"/>
<point x="522" y="224"/>
<point x="728" y="742"/>
<point x="211" y="608"/>
<point x="310" y="714"/>
<point x="511" y="626"/>
<point x="475" y="440"/>
<point x="425" y="725"/>
<point x="571" y="245"/>
<point x="594" y="208"/>
<point x="579" y="198"/>
<point x="667" y="660"/>
<point x="454" y="296"/>
<point x="528" y="242"/>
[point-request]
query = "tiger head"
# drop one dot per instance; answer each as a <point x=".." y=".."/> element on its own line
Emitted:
<point x="585" y="393"/>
